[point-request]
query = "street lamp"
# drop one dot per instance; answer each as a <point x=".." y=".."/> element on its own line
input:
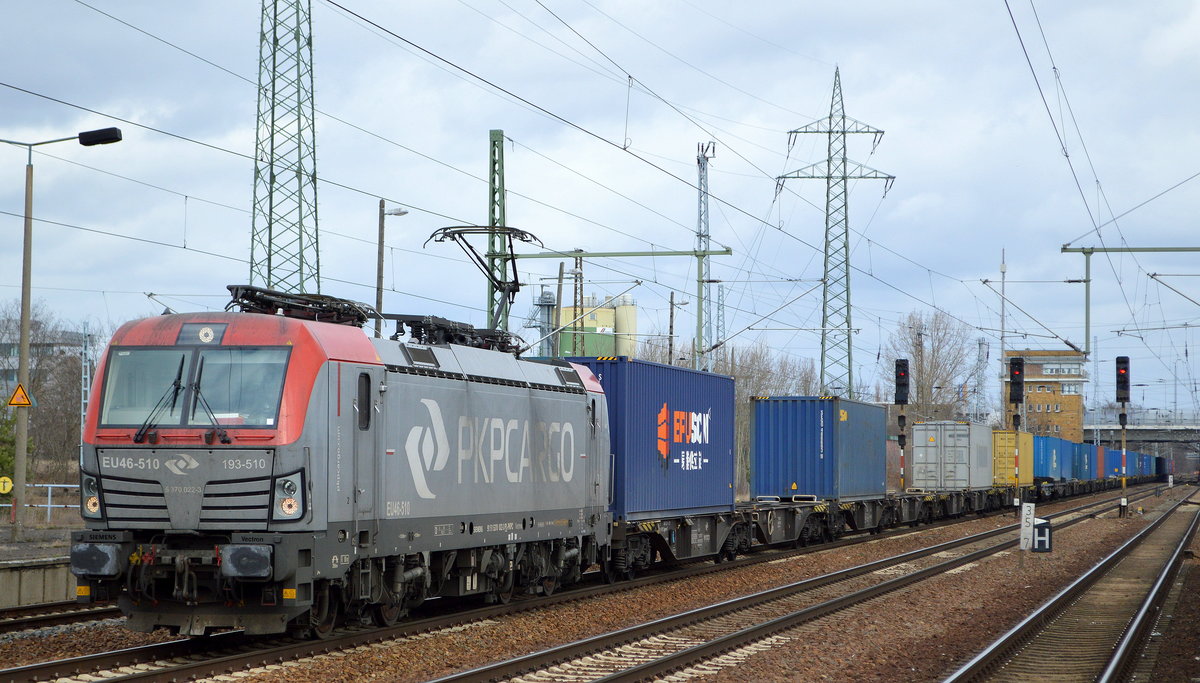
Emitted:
<point x="379" y="267"/>
<point x="88" y="138"/>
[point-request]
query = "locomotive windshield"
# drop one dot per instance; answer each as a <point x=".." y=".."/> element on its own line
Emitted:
<point x="241" y="385"/>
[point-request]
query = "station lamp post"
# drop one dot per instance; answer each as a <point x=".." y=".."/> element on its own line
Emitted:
<point x="89" y="138"/>
<point x="379" y="266"/>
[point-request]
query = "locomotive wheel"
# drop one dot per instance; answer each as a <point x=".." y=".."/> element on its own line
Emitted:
<point x="387" y="613"/>
<point x="549" y="584"/>
<point x="323" y="615"/>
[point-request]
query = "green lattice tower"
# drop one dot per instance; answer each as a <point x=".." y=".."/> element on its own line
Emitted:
<point x="837" y="356"/>
<point x="284" y="252"/>
<point x="497" y="263"/>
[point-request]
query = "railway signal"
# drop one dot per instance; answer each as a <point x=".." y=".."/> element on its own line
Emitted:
<point x="901" y="381"/>
<point x="1016" y="380"/>
<point x="1122" y="379"/>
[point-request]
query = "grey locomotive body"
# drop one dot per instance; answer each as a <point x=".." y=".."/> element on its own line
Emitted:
<point x="379" y="474"/>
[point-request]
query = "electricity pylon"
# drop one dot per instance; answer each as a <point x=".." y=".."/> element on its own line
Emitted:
<point x="837" y="359"/>
<point x="284" y="251"/>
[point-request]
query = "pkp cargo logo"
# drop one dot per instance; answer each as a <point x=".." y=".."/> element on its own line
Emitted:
<point x="427" y="448"/>
<point x="682" y="427"/>
<point x="183" y="462"/>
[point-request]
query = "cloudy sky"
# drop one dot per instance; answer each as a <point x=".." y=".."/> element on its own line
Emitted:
<point x="604" y="104"/>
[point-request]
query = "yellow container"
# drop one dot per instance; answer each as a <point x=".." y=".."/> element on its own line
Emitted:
<point x="1009" y="447"/>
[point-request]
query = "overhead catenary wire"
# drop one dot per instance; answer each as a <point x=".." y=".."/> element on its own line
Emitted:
<point x="426" y="156"/>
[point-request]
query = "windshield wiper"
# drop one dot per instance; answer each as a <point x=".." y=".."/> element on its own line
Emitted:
<point x="173" y="391"/>
<point x="200" y="400"/>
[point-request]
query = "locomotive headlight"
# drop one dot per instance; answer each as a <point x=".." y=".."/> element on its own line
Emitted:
<point x="287" y="487"/>
<point x="90" y="498"/>
<point x="289" y="498"/>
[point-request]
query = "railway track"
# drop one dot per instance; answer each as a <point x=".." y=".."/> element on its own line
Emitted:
<point x="53" y="614"/>
<point x="1104" y="616"/>
<point x="230" y="652"/>
<point x="686" y="640"/>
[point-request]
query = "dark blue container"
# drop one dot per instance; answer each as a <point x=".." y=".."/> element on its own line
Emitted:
<point x="830" y="448"/>
<point x="1053" y="458"/>
<point x="672" y="438"/>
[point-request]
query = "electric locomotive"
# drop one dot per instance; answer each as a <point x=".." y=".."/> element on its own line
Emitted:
<point x="276" y="470"/>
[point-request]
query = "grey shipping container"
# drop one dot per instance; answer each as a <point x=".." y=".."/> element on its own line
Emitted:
<point x="671" y="430"/>
<point x="830" y="448"/>
<point x="951" y="456"/>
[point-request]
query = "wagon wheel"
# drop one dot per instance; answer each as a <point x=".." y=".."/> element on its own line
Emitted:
<point x="387" y="613"/>
<point x="805" y="537"/>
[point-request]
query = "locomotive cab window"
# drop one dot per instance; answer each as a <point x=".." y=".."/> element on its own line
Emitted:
<point x="234" y="386"/>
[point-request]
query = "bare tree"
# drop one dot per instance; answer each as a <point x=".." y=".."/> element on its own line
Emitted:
<point x="55" y="377"/>
<point x="941" y="361"/>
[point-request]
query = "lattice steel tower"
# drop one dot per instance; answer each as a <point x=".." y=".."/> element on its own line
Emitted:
<point x="499" y="301"/>
<point x="837" y="366"/>
<point x="283" y="242"/>
<point x="702" y="359"/>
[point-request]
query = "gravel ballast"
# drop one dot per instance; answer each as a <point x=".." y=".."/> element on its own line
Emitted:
<point x="915" y="634"/>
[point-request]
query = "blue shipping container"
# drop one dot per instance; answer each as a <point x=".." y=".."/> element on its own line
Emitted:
<point x="1084" y="460"/>
<point x="1045" y="464"/>
<point x="1053" y="457"/>
<point x="1112" y="463"/>
<point x="1066" y="460"/>
<point x="672" y="437"/>
<point x="831" y="448"/>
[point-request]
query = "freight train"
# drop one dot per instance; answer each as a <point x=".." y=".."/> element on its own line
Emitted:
<point x="274" y="469"/>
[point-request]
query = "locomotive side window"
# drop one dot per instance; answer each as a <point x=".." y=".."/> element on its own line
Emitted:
<point x="364" y="401"/>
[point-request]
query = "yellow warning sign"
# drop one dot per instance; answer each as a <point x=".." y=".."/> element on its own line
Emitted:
<point x="20" y="398"/>
<point x="5" y="484"/>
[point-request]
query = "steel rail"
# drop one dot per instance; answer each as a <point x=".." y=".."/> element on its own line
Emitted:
<point x="58" y="614"/>
<point x="90" y="664"/>
<point x="580" y="648"/>
<point x="1125" y="655"/>
<point x="997" y="653"/>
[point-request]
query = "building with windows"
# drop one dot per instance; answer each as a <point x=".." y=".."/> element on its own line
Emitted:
<point x="1053" y="391"/>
